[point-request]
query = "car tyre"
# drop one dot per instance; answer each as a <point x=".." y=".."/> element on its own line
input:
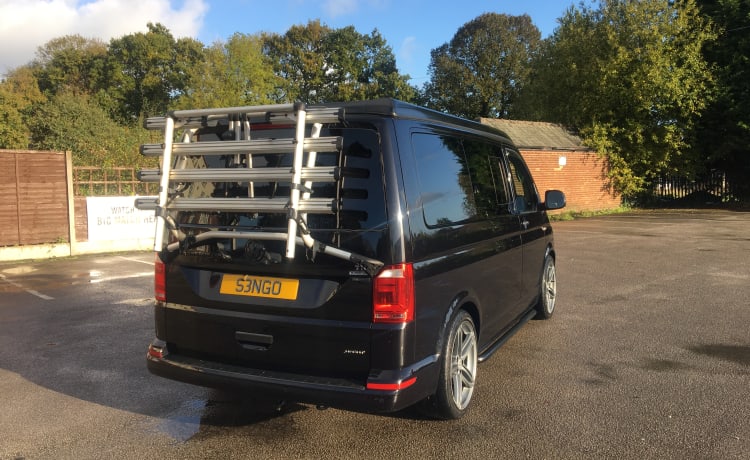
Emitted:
<point x="545" y="307"/>
<point x="458" y="370"/>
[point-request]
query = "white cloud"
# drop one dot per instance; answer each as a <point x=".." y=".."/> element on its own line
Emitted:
<point x="408" y="48"/>
<point x="27" y="24"/>
<point x="336" y="8"/>
<point x="410" y="57"/>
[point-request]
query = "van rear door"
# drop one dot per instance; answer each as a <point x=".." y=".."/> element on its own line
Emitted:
<point x="240" y="302"/>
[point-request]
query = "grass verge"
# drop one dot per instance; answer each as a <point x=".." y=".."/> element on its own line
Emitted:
<point x="572" y="215"/>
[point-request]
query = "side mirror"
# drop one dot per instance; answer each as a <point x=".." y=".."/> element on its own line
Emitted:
<point x="554" y="199"/>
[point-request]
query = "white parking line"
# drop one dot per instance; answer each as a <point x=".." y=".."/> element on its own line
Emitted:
<point x="30" y="291"/>
<point x="123" y="277"/>
<point x="39" y="294"/>
<point x="136" y="260"/>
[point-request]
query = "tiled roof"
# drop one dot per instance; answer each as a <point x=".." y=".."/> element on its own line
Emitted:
<point x="535" y="135"/>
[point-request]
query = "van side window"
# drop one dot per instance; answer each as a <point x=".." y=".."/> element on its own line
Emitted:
<point x="443" y="175"/>
<point x="526" y="199"/>
<point x="490" y="193"/>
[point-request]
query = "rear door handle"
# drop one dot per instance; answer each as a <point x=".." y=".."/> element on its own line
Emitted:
<point x="256" y="342"/>
<point x="525" y="224"/>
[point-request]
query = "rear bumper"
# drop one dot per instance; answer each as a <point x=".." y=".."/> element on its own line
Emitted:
<point x="391" y="391"/>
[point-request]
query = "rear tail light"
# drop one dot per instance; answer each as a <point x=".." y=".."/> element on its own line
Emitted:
<point x="157" y="351"/>
<point x="160" y="280"/>
<point x="393" y="295"/>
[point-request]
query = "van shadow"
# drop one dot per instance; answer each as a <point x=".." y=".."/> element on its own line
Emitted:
<point x="220" y="410"/>
<point x="734" y="353"/>
<point x="97" y="356"/>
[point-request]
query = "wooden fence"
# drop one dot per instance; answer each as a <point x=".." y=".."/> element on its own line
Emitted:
<point x="37" y="204"/>
<point x="44" y="196"/>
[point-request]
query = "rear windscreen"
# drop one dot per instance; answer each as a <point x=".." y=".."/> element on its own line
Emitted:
<point x="357" y="217"/>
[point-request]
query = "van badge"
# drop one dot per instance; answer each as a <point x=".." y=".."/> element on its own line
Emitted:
<point x="354" y="352"/>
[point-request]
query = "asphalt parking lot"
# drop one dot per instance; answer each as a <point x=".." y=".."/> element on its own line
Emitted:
<point x="647" y="356"/>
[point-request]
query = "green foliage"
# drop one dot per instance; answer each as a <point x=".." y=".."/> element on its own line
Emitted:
<point x="317" y="64"/>
<point x="12" y="128"/>
<point x="85" y="96"/>
<point x="650" y="84"/>
<point x="73" y="122"/>
<point x="480" y="72"/>
<point x="631" y="77"/>
<point x="234" y="73"/>
<point x="573" y="215"/>
<point x="71" y="63"/>
<point x="724" y="131"/>
<point x="146" y="72"/>
<point x="17" y="94"/>
<point x="362" y="67"/>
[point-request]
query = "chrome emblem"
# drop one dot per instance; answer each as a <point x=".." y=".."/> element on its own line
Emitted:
<point x="354" y="352"/>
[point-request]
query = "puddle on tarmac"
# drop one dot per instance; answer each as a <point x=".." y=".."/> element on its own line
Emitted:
<point x="85" y="277"/>
<point x="185" y="422"/>
<point x="22" y="270"/>
<point x="221" y="410"/>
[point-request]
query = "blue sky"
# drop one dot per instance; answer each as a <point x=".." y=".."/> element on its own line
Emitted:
<point x="412" y="28"/>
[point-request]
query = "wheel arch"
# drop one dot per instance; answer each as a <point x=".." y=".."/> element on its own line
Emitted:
<point x="461" y="302"/>
<point x="550" y="251"/>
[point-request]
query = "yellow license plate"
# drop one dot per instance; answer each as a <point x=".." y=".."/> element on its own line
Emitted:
<point x="259" y="286"/>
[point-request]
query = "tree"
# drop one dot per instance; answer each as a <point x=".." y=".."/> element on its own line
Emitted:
<point x="74" y="122"/>
<point x="724" y="130"/>
<point x="234" y="73"/>
<point x="18" y="92"/>
<point x="12" y="129"/>
<point x="70" y="63"/>
<point x="480" y="72"/>
<point x="631" y="77"/>
<point x="362" y="67"/>
<point x="146" y="72"/>
<point x="317" y="64"/>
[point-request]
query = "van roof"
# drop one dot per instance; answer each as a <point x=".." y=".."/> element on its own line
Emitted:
<point x="389" y="107"/>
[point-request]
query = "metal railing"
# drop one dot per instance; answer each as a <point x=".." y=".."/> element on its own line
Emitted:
<point x="713" y="186"/>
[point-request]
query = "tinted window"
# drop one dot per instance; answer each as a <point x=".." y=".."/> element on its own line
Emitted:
<point x="525" y="193"/>
<point x="490" y="194"/>
<point x="358" y="222"/>
<point x="445" y="187"/>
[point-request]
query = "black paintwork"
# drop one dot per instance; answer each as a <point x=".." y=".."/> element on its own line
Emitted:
<point x="323" y="347"/>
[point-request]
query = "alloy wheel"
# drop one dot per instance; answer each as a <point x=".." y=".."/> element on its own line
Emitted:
<point x="463" y="369"/>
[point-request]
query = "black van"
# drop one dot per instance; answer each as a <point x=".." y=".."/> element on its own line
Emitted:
<point x="364" y="255"/>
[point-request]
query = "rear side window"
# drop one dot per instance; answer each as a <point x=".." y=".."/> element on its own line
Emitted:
<point x="444" y="181"/>
<point x="460" y="179"/>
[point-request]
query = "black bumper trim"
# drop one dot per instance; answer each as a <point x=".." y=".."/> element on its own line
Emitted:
<point x="333" y="392"/>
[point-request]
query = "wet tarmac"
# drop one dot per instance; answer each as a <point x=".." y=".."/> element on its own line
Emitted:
<point x="647" y="356"/>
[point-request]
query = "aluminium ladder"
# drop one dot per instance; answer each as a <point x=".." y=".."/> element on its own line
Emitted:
<point x="179" y="166"/>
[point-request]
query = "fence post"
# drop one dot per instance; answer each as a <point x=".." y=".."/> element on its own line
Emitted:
<point x="17" y="175"/>
<point x="71" y="203"/>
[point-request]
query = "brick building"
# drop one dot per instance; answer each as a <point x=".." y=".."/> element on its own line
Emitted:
<point x="558" y="160"/>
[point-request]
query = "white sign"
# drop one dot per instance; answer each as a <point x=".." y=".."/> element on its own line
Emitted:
<point x="113" y="218"/>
